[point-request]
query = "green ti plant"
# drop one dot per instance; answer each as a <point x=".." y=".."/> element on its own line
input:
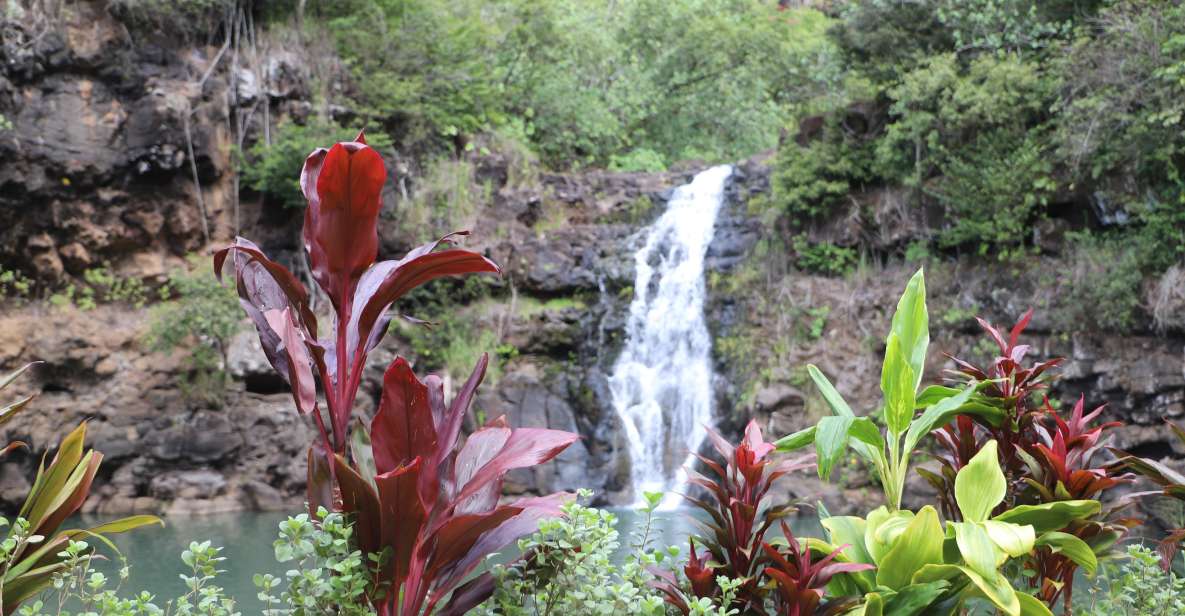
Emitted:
<point x="889" y="451"/>
<point x="927" y="567"/>
<point x="33" y="552"/>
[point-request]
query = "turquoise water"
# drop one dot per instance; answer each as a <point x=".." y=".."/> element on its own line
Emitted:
<point x="246" y="538"/>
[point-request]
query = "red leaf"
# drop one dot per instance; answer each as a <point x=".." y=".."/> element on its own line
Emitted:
<point x="361" y="500"/>
<point x="403" y="427"/>
<point x="344" y="189"/>
<point x="300" y="374"/>
<point x="403" y="517"/>
<point x="388" y="281"/>
<point x="320" y="480"/>
<point x="479" y="449"/>
<point x="525" y="447"/>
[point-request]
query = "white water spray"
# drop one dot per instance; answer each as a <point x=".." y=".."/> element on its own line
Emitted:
<point x="662" y="384"/>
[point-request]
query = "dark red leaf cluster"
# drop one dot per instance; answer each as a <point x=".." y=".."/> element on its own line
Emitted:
<point x="800" y="578"/>
<point x="343" y="186"/>
<point x="738" y="520"/>
<point x="422" y="503"/>
<point x="431" y="506"/>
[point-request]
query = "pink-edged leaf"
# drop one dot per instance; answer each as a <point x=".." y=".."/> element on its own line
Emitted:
<point x="404" y="515"/>
<point x="995" y="334"/>
<point x="1020" y="327"/>
<point x="49" y="525"/>
<point x="525" y="447"/>
<point x="266" y="284"/>
<point x="479" y="449"/>
<point x="344" y="189"/>
<point x="387" y="281"/>
<point x="754" y="441"/>
<point x="300" y="372"/>
<point x="522" y="523"/>
<point x="361" y="501"/>
<point x="450" y="428"/>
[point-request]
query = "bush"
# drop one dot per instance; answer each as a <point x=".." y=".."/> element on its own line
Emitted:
<point x="274" y="170"/>
<point x="325" y="576"/>
<point x="825" y="258"/>
<point x="569" y="567"/>
<point x="202" y="316"/>
<point x="445" y="198"/>
<point x="641" y="159"/>
<point x="1138" y="586"/>
<point x="1103" y="290"/>
<point x="809" y="182"/>
<point x="994" y="191"/>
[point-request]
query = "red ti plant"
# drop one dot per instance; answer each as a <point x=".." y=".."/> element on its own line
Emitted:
<point x="800" y="579"/>
<point x="1063" y="467"/>
<point x="431" y="507"/>
<point x="1010" y="385"/>
<point x="738" y="518"/>
<point x="343" y="186"/>
<point x="1045" y="458"/>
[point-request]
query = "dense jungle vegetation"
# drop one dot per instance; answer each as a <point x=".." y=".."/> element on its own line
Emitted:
<point x="993" y="122"/>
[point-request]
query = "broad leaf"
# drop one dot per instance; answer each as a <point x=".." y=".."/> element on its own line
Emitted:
<point x="344" y="189"/>
<point x="911" y="325"/>
<point x="980" y="485"/>
<point x="936" y="416"/>
<point x="1032" y="606"/>
<point x="977" y="549"/>
<point x="1050" y="516"/>
<point x="897" y="384"/>
<point x="1071" y="547"/>
<point x="798" y="440"/>
<point x="919" y="545"/>
<point x="831" y="441"/>
<point x="1016" y="540"/>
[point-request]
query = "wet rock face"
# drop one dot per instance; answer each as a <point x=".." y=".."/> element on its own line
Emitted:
<point x="161" y="451"/>
<point x="95" y="164"/>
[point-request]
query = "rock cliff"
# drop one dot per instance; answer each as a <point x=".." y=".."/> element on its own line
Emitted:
<point x="119" y="155"/>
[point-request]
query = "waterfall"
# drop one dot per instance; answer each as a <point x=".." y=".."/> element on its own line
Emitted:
<point x="661" y="385"/>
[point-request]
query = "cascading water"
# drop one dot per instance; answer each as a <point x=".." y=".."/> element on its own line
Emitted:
<point x="661" y="385"/>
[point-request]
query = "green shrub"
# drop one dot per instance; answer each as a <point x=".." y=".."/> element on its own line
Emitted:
<point x="641" y="159"/>
<point x="447" y="197"/>
<point x="326" y="574"/>
<point x="569" y="568"/>
<point x="1125" y="125"/>
<point x="100" y="284"/>
<point x="1137" y="587"/>
<point x="994" y="191"/>
<point x="274" y="170"/>
<point x="1103" y="288"/>
<point x="14" y="285"/>
<point x="942" y="106"/>
<point x="202" y="315"/>
<point x="824" y="258"/>
<point x="813" y="181"/>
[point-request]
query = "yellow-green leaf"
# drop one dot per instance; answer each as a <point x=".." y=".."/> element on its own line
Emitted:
<point x="1014" y="539"/>
<point x="980" y="485"/>
<point x="911" y="324"/>
<point x="919" y="545"/>
<point x="977" y="549"/>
